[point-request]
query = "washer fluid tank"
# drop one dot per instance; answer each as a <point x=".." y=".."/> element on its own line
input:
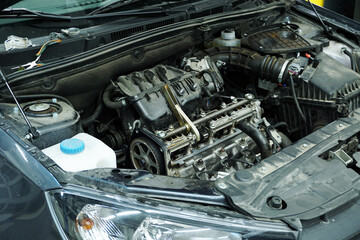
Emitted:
<point x="81" y="152"/>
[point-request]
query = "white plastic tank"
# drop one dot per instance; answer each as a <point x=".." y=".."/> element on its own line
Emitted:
<point x="227" y="39"/>
<point x="81" y="152"/>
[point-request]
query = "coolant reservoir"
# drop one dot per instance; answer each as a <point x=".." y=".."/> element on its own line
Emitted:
<point x="81" y="152"/>
<point x="227" y="39"/>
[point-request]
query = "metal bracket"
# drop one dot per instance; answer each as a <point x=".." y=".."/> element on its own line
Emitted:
<point x="183" y="119"/>
<point x="340" y="155"/>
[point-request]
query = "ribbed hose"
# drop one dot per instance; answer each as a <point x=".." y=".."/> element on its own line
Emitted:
<point x="266" y="67"/>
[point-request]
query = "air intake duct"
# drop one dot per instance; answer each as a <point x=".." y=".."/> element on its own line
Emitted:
<point x="267" y="67"/>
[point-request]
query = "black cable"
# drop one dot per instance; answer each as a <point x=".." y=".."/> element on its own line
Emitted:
<point x="281" y="124"/>
<point x="295" y="98"/>
<point x="352" y="60"/>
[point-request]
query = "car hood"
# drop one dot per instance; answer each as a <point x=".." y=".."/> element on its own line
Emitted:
<point x="7" y="3"/>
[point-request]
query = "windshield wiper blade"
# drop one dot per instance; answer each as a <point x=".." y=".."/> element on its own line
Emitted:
<point x="27" y="13"/>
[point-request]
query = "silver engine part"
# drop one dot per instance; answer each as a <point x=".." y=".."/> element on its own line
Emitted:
<point x="202" y="142"/>
<point x="223" y="147"/>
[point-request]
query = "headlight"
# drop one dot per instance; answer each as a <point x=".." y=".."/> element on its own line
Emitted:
<point x="83" y="213"/>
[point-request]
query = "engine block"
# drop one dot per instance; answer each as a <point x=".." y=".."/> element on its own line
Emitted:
<point x="192" y="130"/>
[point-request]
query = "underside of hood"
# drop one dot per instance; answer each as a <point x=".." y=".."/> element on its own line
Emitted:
<point x="7" y="3"/>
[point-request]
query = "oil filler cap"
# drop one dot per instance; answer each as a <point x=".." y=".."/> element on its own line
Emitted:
<point x="72" y="146"/>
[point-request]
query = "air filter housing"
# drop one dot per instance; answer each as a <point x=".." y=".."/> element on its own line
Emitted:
<point x="278" y="38"/>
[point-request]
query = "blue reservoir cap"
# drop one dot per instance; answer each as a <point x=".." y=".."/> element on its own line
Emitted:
<point x="72" y="146"/>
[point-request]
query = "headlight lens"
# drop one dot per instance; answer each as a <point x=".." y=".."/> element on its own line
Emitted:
<point x="87" y="214"/>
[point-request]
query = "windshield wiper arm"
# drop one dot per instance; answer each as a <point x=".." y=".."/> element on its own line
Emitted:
<point x="113" y="5"/>
<point x="27" y="13"/>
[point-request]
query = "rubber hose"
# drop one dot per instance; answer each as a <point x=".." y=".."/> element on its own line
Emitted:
<point x="285" y="140"/>
<point x="99" y="108"/>
<point x="352" y="60"/>
<point x="256" y="135"/>
<point x="281" y="124"/>
<point x="107" y="100"/>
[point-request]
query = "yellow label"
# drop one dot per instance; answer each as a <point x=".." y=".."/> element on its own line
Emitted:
<point x="318" y="2"/>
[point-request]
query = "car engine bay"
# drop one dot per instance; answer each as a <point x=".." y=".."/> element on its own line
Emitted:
<point x="224" y="104"/>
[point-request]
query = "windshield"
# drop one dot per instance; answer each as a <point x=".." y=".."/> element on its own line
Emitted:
<point x="63" y="6"/>
<point x="82" y="25"/>
<point x="35" y="27"/>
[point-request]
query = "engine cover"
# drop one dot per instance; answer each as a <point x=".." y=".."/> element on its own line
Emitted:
<point x="144" y="91"/>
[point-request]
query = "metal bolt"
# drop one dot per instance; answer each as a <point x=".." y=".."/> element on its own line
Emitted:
<point x="222" y="185"/>
<point x="171" y="127"/>
<point x="233" y="99"/>
<point x="54" y="100"/>
<point x="16" y="110"/>
<point x="223" y="105"/>
<point x="263" y="169"/>
<point x="275" y="202"/>
<point x="340" y="125"/>
<point x="304" y="145"/>
<point x="249" y="96"/>
<point x="161" y="134"/>
<point x="190" y="136"/>
<point x="2" y="124"/>
<point x="275" y="96"/>
<point x="28" y="136"/>
<point x="212" y="124"/>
